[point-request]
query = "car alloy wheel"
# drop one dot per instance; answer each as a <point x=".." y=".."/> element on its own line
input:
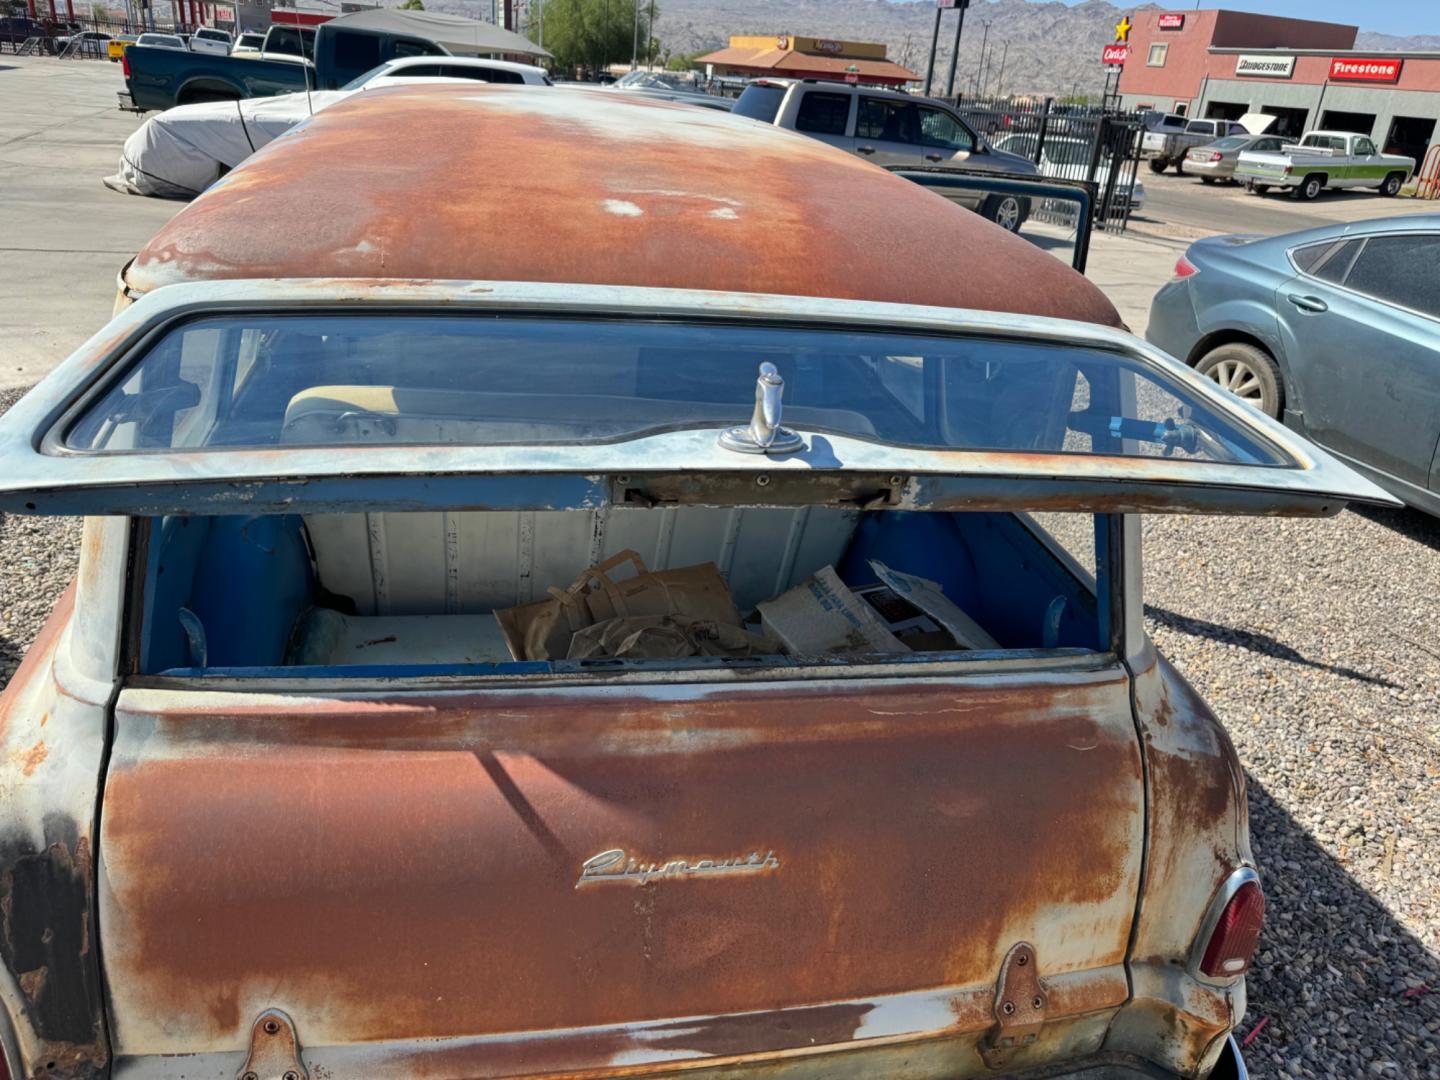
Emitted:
<point x="1247" y="372"/>
<point x="1005" y="212"/>
<point x="1391" y="187"/>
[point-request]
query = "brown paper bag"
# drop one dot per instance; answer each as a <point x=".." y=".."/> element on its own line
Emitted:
<point x="698" y="591"/>
<point x="542" y="629"/>
<point x="666" y="637"/>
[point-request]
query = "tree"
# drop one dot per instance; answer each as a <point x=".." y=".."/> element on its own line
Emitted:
<point x="593" y="33"/>
<point x="412" y="5"/>
<point x="683" y="62"/>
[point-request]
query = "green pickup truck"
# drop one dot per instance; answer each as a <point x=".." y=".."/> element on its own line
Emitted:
<point x="162" y="78"/>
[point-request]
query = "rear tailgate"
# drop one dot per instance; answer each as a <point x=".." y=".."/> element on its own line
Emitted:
<point x="412" y="868"/>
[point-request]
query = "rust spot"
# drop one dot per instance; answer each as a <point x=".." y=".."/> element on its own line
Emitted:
<point x="475" y="925"/>
<point x="45" y="900"/>
<point x="32" y="758"/>
<point x="32" y="983"/>
<point x="572" y="178"/>
<point x="37" y="659"/>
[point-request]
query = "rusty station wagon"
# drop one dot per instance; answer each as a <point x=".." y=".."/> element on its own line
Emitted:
<point x="284" y="797"/>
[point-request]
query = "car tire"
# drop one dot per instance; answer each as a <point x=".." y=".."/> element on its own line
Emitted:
<point x="1308" y="190"/>
<point x="1158" y="165"/>
<point x="1207" y="179"/>
<point x="1248" y="372"/>
<point x="1007" y="211"/>
<point x="1392" y="185"/>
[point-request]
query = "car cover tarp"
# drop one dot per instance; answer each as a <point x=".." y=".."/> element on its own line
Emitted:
<point x="182" y="151"/>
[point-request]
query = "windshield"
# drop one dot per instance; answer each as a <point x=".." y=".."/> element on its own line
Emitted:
<point x="360" y="80"/>
<point x="759" y="101"/>
<point x="269" y="380"/>
<point x="658" y="80"/>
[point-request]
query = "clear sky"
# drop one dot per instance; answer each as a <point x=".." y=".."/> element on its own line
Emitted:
<point x="1385" y="16"/>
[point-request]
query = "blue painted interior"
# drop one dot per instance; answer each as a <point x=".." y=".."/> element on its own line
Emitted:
<point x="247" y="580"/>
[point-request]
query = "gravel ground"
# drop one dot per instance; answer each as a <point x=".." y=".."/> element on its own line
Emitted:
<point x="1317" y="643"/>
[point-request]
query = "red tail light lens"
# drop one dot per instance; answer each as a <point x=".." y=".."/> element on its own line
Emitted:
<point x="1216" y="155"/>
<point x="1184" y="268"/>
<point x="1232" y="942"/>
<point x="124" y="64"/>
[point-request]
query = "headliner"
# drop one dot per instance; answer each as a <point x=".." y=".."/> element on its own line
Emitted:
<point x="479" y="182"/>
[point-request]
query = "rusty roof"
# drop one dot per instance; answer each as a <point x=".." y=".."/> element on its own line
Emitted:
<point x="453" y="182"/>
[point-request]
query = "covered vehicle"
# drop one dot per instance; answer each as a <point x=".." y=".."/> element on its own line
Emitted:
<point x="182" y="151"/>
<point x="1069" y="158"/>
<point x="308" y="807"/>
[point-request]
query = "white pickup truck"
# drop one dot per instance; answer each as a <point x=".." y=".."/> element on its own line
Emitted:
<point x="1324" y="159"/>
<point x="1165" y="143"/>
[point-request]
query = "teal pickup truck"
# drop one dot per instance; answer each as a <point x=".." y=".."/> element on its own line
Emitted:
<point x="162" y="78"/>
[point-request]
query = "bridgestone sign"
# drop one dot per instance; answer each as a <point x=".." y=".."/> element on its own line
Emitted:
<point x="1267" y="67"/>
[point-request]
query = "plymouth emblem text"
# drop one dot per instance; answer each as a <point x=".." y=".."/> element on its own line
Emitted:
<point x="615" y="865"/>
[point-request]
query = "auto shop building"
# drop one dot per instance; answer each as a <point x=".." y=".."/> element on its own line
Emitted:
<point x="1306" y="74"/>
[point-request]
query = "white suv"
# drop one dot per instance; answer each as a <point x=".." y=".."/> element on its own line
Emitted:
<point x="889" y="128"/>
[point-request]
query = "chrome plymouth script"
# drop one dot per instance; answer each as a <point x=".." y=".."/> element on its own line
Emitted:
<point x="615" y="865"/>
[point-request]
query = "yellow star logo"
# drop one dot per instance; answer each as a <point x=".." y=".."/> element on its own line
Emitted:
<point x="1122" y="29"/>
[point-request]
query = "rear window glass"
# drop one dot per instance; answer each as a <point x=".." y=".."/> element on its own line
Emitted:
<point x="759" y="102"/>
<point x="272" y="380"/>
<point x="823" y="114"/>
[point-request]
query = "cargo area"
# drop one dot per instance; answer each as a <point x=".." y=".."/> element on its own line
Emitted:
<point x="366" y="593"/>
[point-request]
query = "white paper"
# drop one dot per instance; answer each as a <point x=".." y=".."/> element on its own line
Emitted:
<point x="931" y="599"/>
<point x="821" y="617"/>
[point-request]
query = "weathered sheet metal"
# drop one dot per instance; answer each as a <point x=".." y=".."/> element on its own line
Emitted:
<point x="1198" y="835"/>
<point x="405" y="868"/>
<point x="225" y="481"/>
<point x="512" y="183"/>
<point x="52" y="736"/>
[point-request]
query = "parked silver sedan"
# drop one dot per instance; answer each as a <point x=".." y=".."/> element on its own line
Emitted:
<point x="1216" y="160"/>
<point x="1336" y="330"/>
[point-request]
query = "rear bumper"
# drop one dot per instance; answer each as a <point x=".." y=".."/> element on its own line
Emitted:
<point x="1173" y="326"/>
<point x="1220" y="169"/>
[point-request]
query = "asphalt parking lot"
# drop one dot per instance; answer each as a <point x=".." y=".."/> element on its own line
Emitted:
<point x="1315" y="641"/>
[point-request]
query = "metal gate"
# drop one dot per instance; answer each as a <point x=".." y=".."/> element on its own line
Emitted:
<point x="1068" y="142"/>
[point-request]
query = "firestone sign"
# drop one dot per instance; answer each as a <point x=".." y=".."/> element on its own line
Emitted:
<point x="1172" y="22"/>
<point x="1342" y="70"/>
<point x="1115" y="54"/>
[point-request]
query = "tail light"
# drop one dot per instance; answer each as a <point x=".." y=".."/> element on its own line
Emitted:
<point x="1236" y="933"/>
<point x="125" y="63"/>
<point x="1184" y="268"/>
<point x="1215" y="155"/>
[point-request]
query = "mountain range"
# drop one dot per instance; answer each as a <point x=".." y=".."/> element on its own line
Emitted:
<point x="1046" y="47"/>
<point x="1030" y="46"/>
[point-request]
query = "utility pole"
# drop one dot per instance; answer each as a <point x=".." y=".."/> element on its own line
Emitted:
<point x="650" y="37"/>
<point x="934" y="41"/>
<point x="955" y="51"/>
<point x="975" y="85"/>
<point x="1000" y="80"/>
<point x="635" y="37"/>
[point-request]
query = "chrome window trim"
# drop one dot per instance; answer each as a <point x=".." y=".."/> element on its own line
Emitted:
<point x="1229" y="887"/>
<point x="1311" y="475"/>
